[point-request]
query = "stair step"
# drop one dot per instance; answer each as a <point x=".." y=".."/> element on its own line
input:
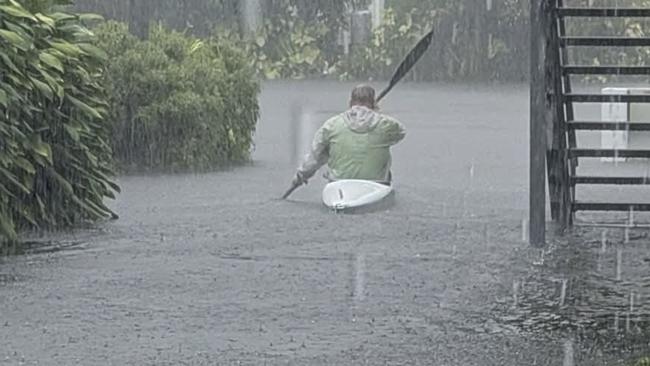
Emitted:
<point x="601" y="206"/>
<point x="608" y="126"/>
<point x="603" y="12"/>
<point x="606" y="70"/>
<point x="605" y="41"/>
<point x="608" y="153"/>
<point x="610" y="180"/>
<point x="607" y="98"/>
<point x="614" y="226"/>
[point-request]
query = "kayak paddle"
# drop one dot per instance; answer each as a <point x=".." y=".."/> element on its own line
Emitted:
<point x="409" y="61"/>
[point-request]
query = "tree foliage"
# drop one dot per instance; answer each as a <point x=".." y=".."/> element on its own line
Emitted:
<point x="286" y="47"/>
<point x="474" y="40"/>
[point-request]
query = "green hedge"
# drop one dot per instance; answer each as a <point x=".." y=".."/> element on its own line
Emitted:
<point x="178" y="102"/>
<point x="55" y="160"/>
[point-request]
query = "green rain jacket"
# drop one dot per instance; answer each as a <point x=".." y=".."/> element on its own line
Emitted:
<point x="354" y="145"/>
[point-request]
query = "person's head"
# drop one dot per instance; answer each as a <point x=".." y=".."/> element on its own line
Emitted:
<point x="363" y="95"/>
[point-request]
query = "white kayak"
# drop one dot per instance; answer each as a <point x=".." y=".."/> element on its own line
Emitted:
<point x="353" y="193"/>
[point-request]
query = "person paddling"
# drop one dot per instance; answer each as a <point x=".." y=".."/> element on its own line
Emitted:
<point x="355" y="144"/>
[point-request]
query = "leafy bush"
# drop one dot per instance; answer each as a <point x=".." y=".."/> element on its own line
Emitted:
<point x="178" y="102"/>
<point x="389" y="44"/>
<point x="286" y="47"/>
<point x="54" y="152"/>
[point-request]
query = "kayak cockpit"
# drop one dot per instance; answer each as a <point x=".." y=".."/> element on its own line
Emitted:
<point x="354" y="193"/>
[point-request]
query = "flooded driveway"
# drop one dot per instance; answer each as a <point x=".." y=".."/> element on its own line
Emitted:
<point x="212" y="269"/>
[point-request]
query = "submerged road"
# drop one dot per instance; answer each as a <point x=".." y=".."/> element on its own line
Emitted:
<point x="211" y="269"/>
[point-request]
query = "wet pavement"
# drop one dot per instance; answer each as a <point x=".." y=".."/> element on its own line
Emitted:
<point x="212" y="269"/>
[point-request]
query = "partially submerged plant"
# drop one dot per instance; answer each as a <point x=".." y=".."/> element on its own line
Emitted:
<point x="55" y="159"/>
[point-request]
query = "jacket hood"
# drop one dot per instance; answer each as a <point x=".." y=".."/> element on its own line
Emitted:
<point x="361" y="119"/>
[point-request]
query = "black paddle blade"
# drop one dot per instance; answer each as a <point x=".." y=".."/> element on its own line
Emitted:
<point x="408" y="63"/>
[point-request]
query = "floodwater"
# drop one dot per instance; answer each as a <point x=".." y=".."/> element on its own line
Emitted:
<point x="212" y="269"/>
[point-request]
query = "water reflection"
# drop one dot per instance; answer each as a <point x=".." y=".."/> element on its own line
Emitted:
<point x="568" y="353"/>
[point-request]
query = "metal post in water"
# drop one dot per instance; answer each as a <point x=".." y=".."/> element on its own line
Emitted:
<point x="515" y="295"/>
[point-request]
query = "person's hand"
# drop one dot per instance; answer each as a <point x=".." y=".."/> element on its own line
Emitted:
<point x="298" y="180"/>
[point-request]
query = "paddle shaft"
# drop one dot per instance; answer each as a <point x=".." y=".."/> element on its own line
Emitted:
<point x="290" y="190"/>
<point x="407" y="64"/>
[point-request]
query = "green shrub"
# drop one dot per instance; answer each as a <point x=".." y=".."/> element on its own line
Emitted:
<point x="178" y="102"/>
<point x="54" y="154"/>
